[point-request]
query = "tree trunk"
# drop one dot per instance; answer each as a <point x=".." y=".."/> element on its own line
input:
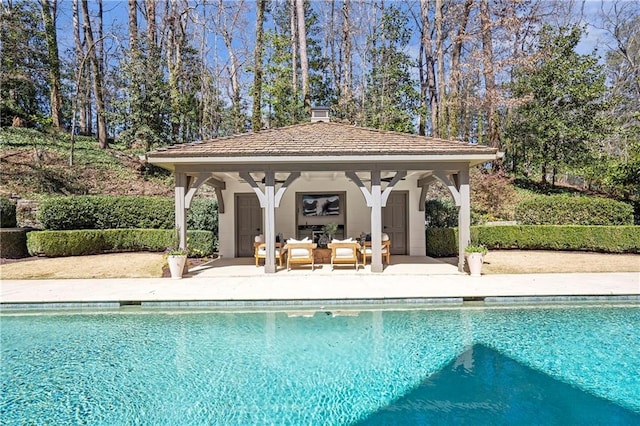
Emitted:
<point x="346" y="92"/>
<point x="430" y="64"/>
<point x="174" y="65"/>
<point x="294" y="50"/>
<point x="489" y="77"/>
<point x="48" y="16"/>
<point x="84" y="122"/>
<point x="97" y="78"/>
<point x="133" y="25"/>
<point x="440" y="125"/>
<point x="453" y="104"/>
<point x="422" y="119"/>
<point x="151" y="24"/>
<point x="100" y="45"/>
<point x="304" y="62"/>
<point x="256" y="118"/>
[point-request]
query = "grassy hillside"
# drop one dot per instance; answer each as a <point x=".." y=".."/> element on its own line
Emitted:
<point x="36" y="164"/>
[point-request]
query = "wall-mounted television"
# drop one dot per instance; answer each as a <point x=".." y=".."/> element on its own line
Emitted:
<point x="320" y="205"/>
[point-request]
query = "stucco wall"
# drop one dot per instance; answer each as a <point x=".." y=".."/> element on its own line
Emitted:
<point x="358" y="215"/>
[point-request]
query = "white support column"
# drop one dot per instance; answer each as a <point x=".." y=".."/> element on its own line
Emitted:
<point x="270" y="222"/>
<point x="464" y="216"/>
<point x="376" y="222"/>
<point x="269" y="200"/>
<point x="180" y="208"/>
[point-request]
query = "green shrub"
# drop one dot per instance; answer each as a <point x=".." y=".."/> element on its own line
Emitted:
<point x="442" y="242"/>
<point x="106" y="212"/>
<point x="114" y="212"/>
<point x="440" y="213"/>
<point x="203" y="215"/>
<point x="13" y="243"/>
<point x="90" y="241"/>
<point x="608" y="239"/>
<point x="7" y="213"/>
<point x="568" y="210"/>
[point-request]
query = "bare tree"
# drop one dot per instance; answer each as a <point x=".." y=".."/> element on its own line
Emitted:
<point x="429" y="89"/>
<point x="97" y="78"/>
<point x="83" y="90"/>
<point x="488" y="71"/>
<point x="440" y="125"/>
<point x="453" y="101"/>
<point x="346" y="89"/>
<point x="228" y="19"/>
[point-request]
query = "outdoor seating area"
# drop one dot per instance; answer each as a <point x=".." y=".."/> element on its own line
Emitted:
<point x="299" y="253"/>
<point x="261" y="252"/>
<point x="366" y="251"/>
<point x="306" y="253"/>
<point x="344" y="253"/>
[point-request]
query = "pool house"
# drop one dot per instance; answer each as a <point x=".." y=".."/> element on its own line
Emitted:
<point x="290" y="182"/>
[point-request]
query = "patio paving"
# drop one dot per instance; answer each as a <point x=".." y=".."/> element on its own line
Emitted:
<point x="400" y="265"/>
<point x="240" y="281"/>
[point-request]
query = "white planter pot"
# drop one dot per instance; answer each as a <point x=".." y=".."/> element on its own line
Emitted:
<point x="475" y="263"/>
<point x="176" y="265"/>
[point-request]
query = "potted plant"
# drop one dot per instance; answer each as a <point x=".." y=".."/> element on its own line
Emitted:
<point x="176" y="258"/>
<point x="475" y="257"/>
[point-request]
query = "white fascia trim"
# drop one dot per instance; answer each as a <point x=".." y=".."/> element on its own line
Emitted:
<point x="323" y="159"/>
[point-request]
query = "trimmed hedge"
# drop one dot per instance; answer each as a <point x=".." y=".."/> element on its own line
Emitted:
<point x="106" y="212"/>
<point x="13" y="243"/>
<point x="117" y="212"/>
<point x="7" y="213"/>
<point x="568" y="210"/>
<point x="90" y="241"/>
<point x="608" y="239"/>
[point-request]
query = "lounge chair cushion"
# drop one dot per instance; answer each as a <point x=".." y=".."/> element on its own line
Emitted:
<point x="259" y="238"/>
<point x="293" y="240"/>
<point x="263" y="252"/>
<point x="368" y="250"/>
<point x="344" y="252"/>
<point x="348" y="240"/>
<point x="385" y="237"/>
<point x="299" y="252"/>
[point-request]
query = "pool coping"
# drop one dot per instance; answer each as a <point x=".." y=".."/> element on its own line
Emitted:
<point x="318" y="291"/>
<point x="346" y="304"/>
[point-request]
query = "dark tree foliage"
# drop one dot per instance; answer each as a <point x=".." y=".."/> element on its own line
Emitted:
<point x="562" y="104"/>
<point x="24" y="90"/>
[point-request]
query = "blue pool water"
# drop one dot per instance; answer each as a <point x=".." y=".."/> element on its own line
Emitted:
<point x="541" y="365"/>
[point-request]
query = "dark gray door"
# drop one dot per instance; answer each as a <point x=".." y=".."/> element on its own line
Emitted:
<point x="394" y="221"/>
<point x="248" y="223"/>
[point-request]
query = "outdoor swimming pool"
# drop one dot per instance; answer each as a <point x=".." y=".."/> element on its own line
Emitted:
<point x="544" y="365"/>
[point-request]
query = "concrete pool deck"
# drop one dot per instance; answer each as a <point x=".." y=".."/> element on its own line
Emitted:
<point x="309" y="287"/>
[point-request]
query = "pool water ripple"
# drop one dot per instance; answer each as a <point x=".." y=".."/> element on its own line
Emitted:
<point x="268" y="368"/>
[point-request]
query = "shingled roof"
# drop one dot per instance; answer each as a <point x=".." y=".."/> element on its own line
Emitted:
<point x="320" y="139"/>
